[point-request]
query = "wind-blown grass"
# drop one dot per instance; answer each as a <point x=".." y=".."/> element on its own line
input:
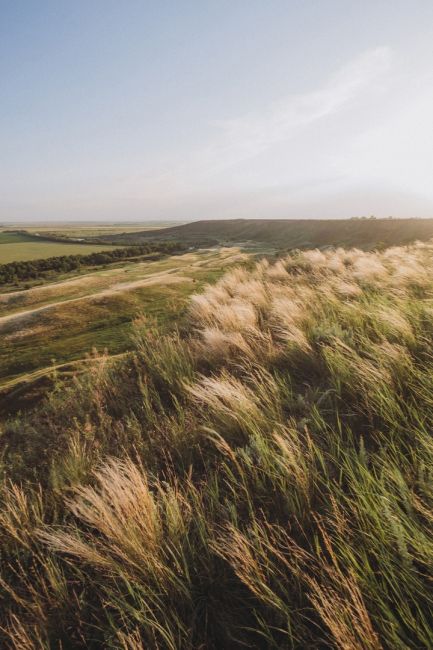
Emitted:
<point x="262" y="479"/>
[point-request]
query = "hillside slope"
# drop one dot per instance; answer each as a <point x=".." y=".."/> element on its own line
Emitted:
<point x="297" y="233"/>
<point x="61" y="321"/>
<point x="262" y="480"/>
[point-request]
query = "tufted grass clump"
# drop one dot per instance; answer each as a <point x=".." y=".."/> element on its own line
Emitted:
<point x="261" y="479"/>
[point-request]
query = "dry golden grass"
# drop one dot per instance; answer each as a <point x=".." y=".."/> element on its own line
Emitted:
<point x="282" y="297"/>
<point x="272" y="480"/>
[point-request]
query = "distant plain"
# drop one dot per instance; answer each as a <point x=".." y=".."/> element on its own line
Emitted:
<point x="16" y="246"/>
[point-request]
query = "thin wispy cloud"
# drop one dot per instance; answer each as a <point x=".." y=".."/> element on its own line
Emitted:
<point x="213" y="174"/>
<point x="246" y="136"/>
<point x="275" y="108"/>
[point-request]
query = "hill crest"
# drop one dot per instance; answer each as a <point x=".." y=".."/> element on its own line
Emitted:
<point x="295" y="233"/>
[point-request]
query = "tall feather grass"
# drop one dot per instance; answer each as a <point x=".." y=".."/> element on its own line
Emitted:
<point x="263" y="479"/>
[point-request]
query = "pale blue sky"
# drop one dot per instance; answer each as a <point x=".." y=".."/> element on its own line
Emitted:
<point x="125" y="110"/>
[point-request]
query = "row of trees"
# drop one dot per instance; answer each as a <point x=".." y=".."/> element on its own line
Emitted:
<point x="35" y="269"/>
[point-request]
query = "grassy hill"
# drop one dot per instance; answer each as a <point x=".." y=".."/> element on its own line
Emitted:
<point x="63" y="320"/>
<point x="261" y="479"/>
<point x="296" y="233"/>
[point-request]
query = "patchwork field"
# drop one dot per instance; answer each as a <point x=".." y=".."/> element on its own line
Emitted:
<point x="96" y="229"/>
<point x="19" y="247"/>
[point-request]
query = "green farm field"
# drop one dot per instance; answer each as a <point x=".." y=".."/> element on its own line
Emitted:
<point x="18" y="247"/>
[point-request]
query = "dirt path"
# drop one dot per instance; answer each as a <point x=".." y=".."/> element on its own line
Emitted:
<point x="161" y="277"/>
<point x="167" y="276"/>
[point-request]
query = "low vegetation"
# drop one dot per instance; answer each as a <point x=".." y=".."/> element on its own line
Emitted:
<point x="259" y="478"/>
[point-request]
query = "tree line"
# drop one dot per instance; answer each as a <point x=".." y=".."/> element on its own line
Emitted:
<point x="14" y="272"/>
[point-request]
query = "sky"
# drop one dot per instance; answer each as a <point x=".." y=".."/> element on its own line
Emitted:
<point x="205" y="109"/>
